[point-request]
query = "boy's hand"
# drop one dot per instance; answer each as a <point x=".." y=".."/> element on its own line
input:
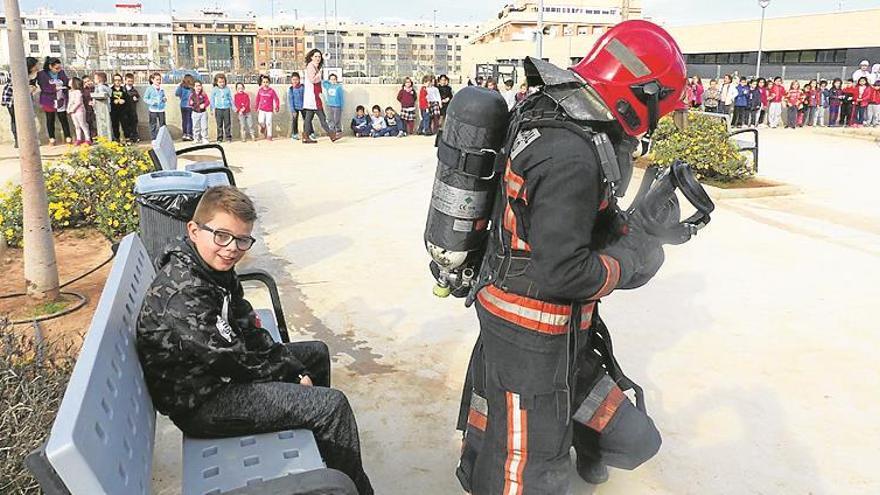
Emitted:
<point x="306" y="381"/>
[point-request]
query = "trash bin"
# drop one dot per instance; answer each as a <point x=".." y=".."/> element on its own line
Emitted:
<point x="166" y="201"/>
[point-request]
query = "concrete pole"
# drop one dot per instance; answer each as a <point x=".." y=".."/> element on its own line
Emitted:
<point x="763" y="4"/>
<point x="40" y="268"/>
<point x="540" y="33"/>
<point x="336" y="37"/>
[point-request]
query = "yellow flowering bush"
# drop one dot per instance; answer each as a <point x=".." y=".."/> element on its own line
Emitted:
<point x="86" y="186"/>
<point x="704" y="145"/>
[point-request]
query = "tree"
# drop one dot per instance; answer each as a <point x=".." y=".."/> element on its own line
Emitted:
<point x="40" y="268"/>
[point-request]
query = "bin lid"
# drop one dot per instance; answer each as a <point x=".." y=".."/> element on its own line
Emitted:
<point x="170" y="182"/>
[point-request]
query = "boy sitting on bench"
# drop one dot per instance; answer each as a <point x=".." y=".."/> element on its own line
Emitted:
<point x="208" y="364"/>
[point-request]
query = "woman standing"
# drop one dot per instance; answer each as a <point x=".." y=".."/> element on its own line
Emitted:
<point x="312" y="103"/>
<point x="53" y="97"/>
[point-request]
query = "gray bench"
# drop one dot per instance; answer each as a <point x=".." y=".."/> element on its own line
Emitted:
<point x="103" y="436"/>
<point x="164" y="157"/>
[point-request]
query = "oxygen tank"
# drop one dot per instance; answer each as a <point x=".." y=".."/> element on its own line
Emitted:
<point x="464" y="186"/>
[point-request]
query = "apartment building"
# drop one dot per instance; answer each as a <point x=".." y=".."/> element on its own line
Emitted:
<point x="390" y="50"/>
<point x="213" y="41"/>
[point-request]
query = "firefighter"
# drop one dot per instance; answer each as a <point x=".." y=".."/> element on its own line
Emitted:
<point x="542" y="376"/>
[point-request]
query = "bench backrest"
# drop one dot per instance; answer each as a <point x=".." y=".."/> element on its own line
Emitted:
<point x="102" y="438"/>
<point x="163" y="147"/>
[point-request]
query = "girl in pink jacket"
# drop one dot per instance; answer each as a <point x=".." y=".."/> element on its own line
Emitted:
<point x="267" y="103"/>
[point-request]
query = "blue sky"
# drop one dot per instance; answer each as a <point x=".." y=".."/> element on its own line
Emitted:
<point x="670" y="11"/>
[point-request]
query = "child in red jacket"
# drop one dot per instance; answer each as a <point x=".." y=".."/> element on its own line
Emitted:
<point x="873" y="119"/>
<point x="424" y="111"/>
<point x="861" y="98"/>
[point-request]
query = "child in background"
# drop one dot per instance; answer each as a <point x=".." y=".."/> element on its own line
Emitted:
<point x="243" y="109"/>
<point x="434" y="105"/>
<point x="334" y="99"/>
<point x="811" y="102"/>
<point x="741" y="103"/>
<point x="424" y="108"/>
<point x="862" y="96"/>
<point x="509" y="94"/>
<point x="200" y="103"/>
<point x="360" y="123"/>
<point x="77" y="111"/>
<point x="835" y="98"/>
<point x="119" y="103"/>
<point x="874" y="106"/>
<point x="712" y="97"/>
<point x="775" y="98"/>
<point x="522" y="93"/>
<point x="221" y="100"/>
<point x="378" y="127"/>
<point x="765" y="100"/>
<point x="155" y="99"/>
<point x="183" y="92"/>
<point x="407" y="98"/>
<point x="754" y="104"/>
<point x="393" y="124"/>
<point x="101" y="104"/>
<point x="267" y="103"/>
<point x="130" y="122"/>
<point x="846" y="104"/>
<point x="88" y="89"/>
<point x="295" y="103"/>
<point x="445" y="96"/>
<point x="819" y="120"/>
<point x="794" y="99"/>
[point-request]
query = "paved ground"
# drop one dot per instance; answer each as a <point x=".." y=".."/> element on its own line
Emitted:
<point x="756" y="343"/>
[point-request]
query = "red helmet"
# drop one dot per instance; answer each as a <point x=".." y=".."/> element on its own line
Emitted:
<point x="639" y="71"/>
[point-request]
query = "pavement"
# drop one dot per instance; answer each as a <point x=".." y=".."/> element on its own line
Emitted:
<point x="756" y="343"/>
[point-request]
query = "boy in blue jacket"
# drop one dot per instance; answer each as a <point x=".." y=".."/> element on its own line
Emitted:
<point x="360" y="123"/>
<point x="155" y="99"/>
<point x="333" y="92"/>
<point x="741" y="103"/>
<point x="295" y="103"/>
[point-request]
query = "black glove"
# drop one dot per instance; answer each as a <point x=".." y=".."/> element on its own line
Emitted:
<point x="639" y="253"/>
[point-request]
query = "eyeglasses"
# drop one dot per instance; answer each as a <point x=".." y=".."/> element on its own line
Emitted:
<point x="222" y="238"/>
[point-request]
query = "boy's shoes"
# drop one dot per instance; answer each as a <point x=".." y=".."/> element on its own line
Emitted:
<point x="187" y="138"/>
<point x="312" y="136"/>
<point x="401" y="134"/>
<point x="336" y="136"/>
<point x="269" y="138"/>
<point x="87" y="143"/>
<point x="295" y="137"/>
<point x="51" y="141"/>
<point x="307" y="140"/>
<point x="68" y="140"/>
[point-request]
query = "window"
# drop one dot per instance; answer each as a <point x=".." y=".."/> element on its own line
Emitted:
<point x="33" y="36"/>
<point x="697" y="58"/>
<point x="50" y="24"/>
<point x="710" y="58"/>
<point x="825" y="56"/>
<point x="35" y="48"/>
<point x="775" y="57"/>
<point x="840" y="56"/>
<point x="735" y="58"/>
<point x="791" y="57"/>
<point x="808" y="56"/>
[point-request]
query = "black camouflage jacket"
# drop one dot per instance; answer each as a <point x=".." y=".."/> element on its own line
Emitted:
<point x="196" y="333"/>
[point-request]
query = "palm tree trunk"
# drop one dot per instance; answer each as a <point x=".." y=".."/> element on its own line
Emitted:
<point x="40" y="268"/>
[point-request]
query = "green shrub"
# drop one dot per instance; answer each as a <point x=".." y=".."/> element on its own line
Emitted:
<point x="704" y="145"/>
<point x="86" y="186"/>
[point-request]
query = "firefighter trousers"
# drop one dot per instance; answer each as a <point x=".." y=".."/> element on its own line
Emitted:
<point x="529" y="397"/>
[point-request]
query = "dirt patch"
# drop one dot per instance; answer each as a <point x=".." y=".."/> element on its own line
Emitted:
<point x="751" y="183"/>
<point x="77" y="251"/>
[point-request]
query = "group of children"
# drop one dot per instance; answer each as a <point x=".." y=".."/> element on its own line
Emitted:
<point x="755" y="102"/>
